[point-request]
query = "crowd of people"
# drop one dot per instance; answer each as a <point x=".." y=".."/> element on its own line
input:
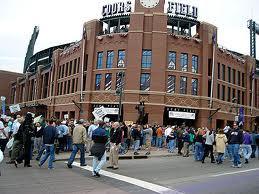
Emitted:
<point x="25" y="138"/>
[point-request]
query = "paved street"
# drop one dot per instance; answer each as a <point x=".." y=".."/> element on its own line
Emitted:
<point x="177" y="174"/>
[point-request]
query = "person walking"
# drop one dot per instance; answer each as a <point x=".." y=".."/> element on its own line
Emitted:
<point x="159" y="140"/>
<point x="38" y="137"/>
<point x="4" y="135"/>
<point x="180" y="140"/>
<point x="186" y="143"/>
<point x="91" y="128"/>
<point x="247" y="149"/>
<point x="99" y="138"/>
<point x="115" y="139"/>
<point x="221" y="141"/>
<point x="136" y="135"/>
<point x="27" y="130"/>
<point x="235" y="140"/>
<point x="17" y="143"/>
<point x="209" y="145"/>
<point x="253" y="145"/>
<point x="50" y="133"/>
<point x="199" y="141"/>
<point x="148" y="133"/>
<point x="79" y="141"/>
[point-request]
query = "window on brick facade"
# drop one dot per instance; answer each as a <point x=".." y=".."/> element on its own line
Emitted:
<point x="229" y="74"/>
<point x="183" y="85"/>
<point x="99" y="64"/>
<point x="223" y="72"/>
<point x="218" y="89"/>
<point x="184" y="62"/>
<point x="195" y="87"/>
<point x="229" y="94"/>
<point x="171" y="84"/>
<point x="146" y="59"/>
<point x="195" y="63"/>
<point x="110" y="57"/>
<point x="145" y="82"/>
<point x="172" y="60"/>
<point x="68" y="87"/>
<point x="233" y="76"/>
<point x="108" y="81"/>
<point x="239" y="78"/>
<point x="223" y="92"/>
<point x="73" y="86"/>
<point x="121" y="58"/>
<point x="218" y="70"/>
<point x="98" y="79"/>
<point x="233" y="93"/>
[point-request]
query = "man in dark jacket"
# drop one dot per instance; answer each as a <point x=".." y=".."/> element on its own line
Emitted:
<point x="235" y="140"/>
<point x="49" y="135"/>
<point x="100" y="138"/>
<point x="136" y="135"/>
<point x="115" y="139"/>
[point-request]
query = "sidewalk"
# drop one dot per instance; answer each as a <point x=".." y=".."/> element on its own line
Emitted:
<point x="130" y="155"/>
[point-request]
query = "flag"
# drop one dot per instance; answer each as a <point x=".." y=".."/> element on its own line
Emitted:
<point x="253" y="74"/>
<point x="214" y="41"/>
<point x="84" y="33"/>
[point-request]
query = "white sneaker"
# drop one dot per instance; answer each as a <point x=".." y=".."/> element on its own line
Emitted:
<point x="239" y="165"/>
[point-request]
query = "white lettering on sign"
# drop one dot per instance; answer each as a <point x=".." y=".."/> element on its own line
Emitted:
<point x="181" y="115"/>
<point x="182" y="9"/>
<point x="116" y="8"/>
<point x="110" y="111"/>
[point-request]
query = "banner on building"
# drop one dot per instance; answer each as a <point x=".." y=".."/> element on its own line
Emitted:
<point x="181" y="115"/>
<point x="99" y="113"/>
<point x="110" y="111"/>
<point x="15" y="108"/>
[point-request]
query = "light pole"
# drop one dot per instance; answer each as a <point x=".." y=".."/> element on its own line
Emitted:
<point x="235" y="105"/>
<point x="119" y="92"/>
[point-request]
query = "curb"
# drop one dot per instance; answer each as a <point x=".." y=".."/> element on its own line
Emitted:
<point x="127" y="157"/>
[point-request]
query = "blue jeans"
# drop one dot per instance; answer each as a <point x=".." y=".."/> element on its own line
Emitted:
<point x="235" y="154"/>
<point x="199" y="151"/>
<point x="220" y="157"/>
<point x="153" y="142"/>
<point x="159" y="141"/>
<point x="171" y="145"/>
<point x="228" y="153"/>
<point x="136" y="145"/>
<point x="50" y="151"/>
<point x="69" y="143"/>
<point x="77" y="147"/>
<point x="97" y="165"/>
<point x="41" y="150"/>
<point x="247" y="151"/>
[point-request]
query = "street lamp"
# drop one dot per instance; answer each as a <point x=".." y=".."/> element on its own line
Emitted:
<point x="235" y="105"/>
<point x="119" y="92"/>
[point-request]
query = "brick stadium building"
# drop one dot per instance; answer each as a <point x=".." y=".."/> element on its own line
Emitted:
<point x="5" y="78"/>
<point x="167" y="59"/>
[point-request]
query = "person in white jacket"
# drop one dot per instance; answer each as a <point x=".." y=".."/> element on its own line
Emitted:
<point x="209" y="145"/>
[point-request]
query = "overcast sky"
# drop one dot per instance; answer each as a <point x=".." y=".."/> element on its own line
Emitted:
<point x="61" y="21"/>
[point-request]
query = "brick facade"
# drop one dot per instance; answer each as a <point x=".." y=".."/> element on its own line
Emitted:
<point x="75" y="68"/>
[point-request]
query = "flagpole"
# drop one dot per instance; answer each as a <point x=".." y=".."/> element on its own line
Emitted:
<point x="82" y="66"/>
<point x="213" y="69"/>
<point x="252" y="100"/>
